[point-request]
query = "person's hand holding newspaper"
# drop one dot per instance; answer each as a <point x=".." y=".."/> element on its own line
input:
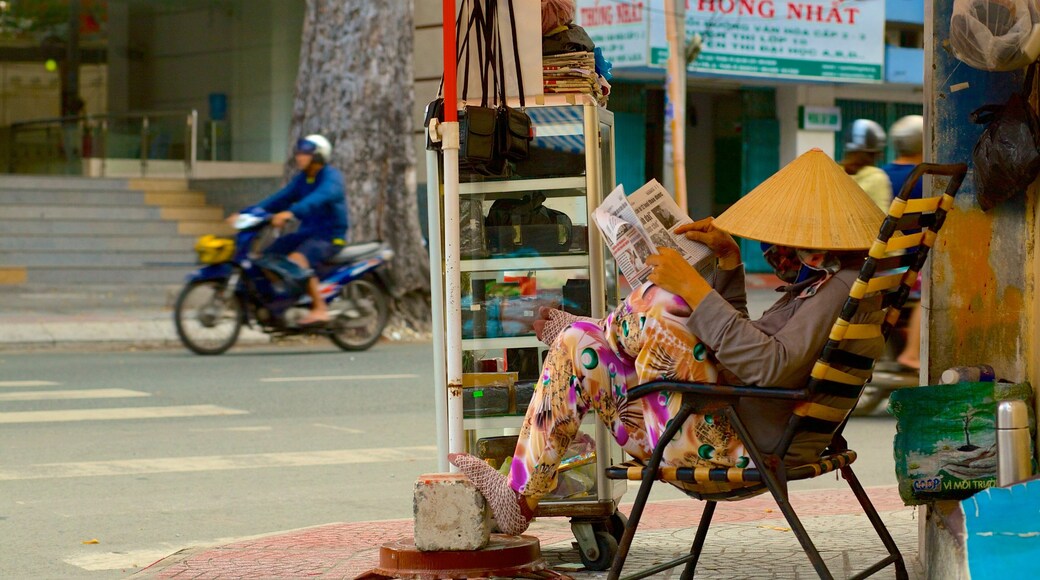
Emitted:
<point x="673" y="273"/>
<point x="722" y="244"/>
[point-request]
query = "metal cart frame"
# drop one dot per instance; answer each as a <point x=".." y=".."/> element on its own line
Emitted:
<point x="596" y="524"/>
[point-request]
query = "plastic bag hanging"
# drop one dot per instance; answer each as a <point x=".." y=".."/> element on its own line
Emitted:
<point x="996" y="35"/>
<point x="1007" y="155"/>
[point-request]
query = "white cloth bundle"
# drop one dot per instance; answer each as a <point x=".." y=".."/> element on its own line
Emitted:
<point x="996" y="35"/>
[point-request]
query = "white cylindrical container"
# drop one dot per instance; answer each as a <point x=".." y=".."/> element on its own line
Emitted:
<point x="1014" y="453"/>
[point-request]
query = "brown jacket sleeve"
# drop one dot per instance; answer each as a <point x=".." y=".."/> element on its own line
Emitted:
<point x="783" y="359"/>
<point x="730" y="285"/>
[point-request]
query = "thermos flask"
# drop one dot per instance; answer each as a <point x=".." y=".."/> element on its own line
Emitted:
<point x="1014" y="453"/>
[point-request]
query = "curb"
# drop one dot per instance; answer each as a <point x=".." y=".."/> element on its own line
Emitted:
<point x="343" y="550"/>
<point x="158" y="333"/>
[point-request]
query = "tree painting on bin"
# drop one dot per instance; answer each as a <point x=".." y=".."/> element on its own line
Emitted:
<point x="967" y="417"/>
<point x="355" y="86"/>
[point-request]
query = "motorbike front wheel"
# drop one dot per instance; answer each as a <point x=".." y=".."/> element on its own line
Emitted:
<point x="208" y="319"/>
<point x="364" y="309"/>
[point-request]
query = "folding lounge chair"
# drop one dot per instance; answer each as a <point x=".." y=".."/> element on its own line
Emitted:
<point x="822" y="407"/>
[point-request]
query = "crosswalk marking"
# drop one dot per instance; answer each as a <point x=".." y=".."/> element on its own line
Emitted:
<point x="116" y="414"/>
<point x="350" y="430"/>
<point x="217" y="463"/>
<point x="62" y="395"/>
<point x="252" y="429"/>
<point x="338" y="378"/>
<point x="26" y="384"/>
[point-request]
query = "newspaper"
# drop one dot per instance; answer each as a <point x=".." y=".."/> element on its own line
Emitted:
<point x="636" y="225"/>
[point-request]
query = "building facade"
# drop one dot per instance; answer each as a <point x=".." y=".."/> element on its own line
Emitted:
<point x="232" y="63"/>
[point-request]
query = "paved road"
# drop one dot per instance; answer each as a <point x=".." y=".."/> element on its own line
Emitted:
<point x="151" y="452"/>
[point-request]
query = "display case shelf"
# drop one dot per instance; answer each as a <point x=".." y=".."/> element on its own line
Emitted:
<point x="501" y="343"/>
<point x="575" y="261"/>
<point x="544" y="185"/>
<point x="508" y="422"/>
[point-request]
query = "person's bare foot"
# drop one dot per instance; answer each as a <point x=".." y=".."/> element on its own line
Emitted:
<point x="315" y="318"/>
<point x="910" y="363"/>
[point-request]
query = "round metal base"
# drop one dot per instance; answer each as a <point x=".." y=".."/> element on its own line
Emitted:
<point x="510" y="556"/>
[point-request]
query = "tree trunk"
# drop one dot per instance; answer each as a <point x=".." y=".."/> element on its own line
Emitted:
<point x="355" y="87"/>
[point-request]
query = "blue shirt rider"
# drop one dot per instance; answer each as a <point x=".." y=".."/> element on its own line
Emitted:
<point x="315" y="196"/>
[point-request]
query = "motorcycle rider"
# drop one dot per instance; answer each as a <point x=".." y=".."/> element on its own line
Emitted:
<point x="866" y="143"/>
<point x="908" y="138"/>
<point x="315" y="196"/>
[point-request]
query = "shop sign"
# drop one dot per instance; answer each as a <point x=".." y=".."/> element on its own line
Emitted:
<point x="620" y="28"/>
<point x="799" y="39"/>
<point x="820" y="119"/>
<point x="829" y="40"/>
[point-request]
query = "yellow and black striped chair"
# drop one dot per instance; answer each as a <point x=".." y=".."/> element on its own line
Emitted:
<point x="821" y="408"/>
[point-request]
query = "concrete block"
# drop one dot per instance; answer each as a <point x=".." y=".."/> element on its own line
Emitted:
<point x="450" y="514"/>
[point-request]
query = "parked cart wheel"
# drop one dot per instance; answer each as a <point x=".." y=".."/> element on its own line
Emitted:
<point x="605" y="549"/>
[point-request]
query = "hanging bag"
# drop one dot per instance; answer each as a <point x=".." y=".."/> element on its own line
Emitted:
<point x="1007" y="155"/>
<point x="477" y="124"/>
<point x="435" y="108"/>
<point x="515" y="133"/>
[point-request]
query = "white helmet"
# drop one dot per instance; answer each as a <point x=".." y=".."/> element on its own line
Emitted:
<point x="315" y="145"/>
<point x="866" y="135"/>
<point x="908" y="135"/>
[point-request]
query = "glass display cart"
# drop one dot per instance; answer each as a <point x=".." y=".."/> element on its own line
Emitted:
<point x="526" y="241"/>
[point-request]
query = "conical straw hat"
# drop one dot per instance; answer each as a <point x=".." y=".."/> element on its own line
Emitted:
<point x="811" y="203"/>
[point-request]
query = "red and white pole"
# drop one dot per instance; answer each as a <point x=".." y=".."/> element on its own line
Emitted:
<point x="449" y="133"/>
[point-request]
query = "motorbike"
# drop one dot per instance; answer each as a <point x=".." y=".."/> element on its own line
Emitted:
<point x="239" y="285"/>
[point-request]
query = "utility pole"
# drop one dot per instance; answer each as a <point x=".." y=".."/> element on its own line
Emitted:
<point x="675" y="102"/>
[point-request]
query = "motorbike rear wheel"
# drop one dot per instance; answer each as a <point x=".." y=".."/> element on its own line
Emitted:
<point x="208" y="319"/>
<point x="365" y="309"/>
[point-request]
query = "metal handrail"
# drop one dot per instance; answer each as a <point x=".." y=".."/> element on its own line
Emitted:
<point x="103" y="122"/>
<point x="127" y="115"/>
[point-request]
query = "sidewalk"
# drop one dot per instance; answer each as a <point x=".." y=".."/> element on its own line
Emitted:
<point x="99" y="328"/>
<point x="72" y="319"/>
<point x="748" y="539"/>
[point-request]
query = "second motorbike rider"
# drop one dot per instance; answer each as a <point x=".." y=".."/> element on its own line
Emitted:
<point x="315" y="196"/>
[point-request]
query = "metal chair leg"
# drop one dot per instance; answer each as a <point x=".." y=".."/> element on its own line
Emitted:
<point x="698" y="540"/>
<point x="779" y="492"/>
<point x="875" y="520"/>
<point x="649" y="477"/>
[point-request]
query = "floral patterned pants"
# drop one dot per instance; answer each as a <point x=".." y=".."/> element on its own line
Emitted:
<point x="590" y="366"/>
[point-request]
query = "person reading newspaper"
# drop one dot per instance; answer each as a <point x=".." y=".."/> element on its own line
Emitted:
<point x="814" y="223"/>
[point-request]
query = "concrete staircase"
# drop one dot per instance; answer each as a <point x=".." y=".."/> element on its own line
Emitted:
<point x="128" y="240"/>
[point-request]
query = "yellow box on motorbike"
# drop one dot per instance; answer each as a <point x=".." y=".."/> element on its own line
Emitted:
<point x="214" y="250"/>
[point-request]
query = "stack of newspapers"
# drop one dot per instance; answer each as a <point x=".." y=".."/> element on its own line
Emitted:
<point x="572" y="72"/>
